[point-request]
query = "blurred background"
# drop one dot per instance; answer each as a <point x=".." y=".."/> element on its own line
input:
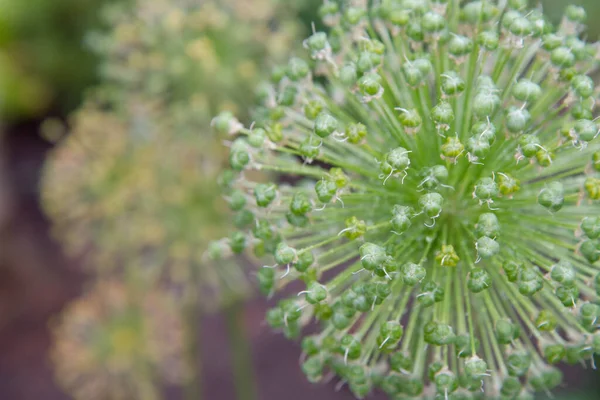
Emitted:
<point x="109" y="287"/>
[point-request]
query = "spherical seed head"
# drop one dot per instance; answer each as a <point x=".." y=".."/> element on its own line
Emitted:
<point x="471" y="145"/>
<point x="105" y="340"/>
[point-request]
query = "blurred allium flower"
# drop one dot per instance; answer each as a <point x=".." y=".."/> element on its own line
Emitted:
<point x="211" y="50"/>
<point x="117" y="344"/>
<point x="435" y="188"/>
<point x="134" y="197"/>
<point x="131" y="183"/>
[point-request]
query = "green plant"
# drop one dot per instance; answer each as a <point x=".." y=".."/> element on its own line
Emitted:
<point x="435" y="187"/>
<point x="43" y="61"/>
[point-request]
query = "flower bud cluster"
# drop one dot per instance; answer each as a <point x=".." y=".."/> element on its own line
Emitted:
<point x="435" y="187"/>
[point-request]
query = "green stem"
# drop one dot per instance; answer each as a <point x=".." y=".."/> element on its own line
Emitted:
<point x="191" y="318"/>
<point x="241" y="357"/>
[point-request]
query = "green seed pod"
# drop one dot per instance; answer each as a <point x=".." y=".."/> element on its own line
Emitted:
<point x="590" y="249"/>
<point x="460" y="45"/>
<point x="476" y="368"/>
<point x="478" y="146"/>
<point x="372" y="256"/>
<point x="414" y="30"/>
<point x="529" y="281"/>
<point x="592" y="187"/>
<point x="390" y="333"/>
<point x="433" y="22"/>
<point x="225" y="123"/>
<point x="312" y="109"/>
<point x="266" y="280"/>
<point x="447" y="256"/>
<point x="401" y="218"/>
<point x="484" y="130"/>
<point x="325" y="125"/>
<point x="284" y="254"/>
<point x="313" y="369"/>
<point x="442" y="114"/>
<point x="370" y="85"/>
<point x="257" y="138"/>
<point x="412" y="74"/>
<point x="401" y="362"/>
<point x="452" y="148"/>
<point x="445" y="382"/>
<point x="562" y="57"/>
<point x="398" y="159"/>
<point x="586" y="130"/>
<point x="367" y="62"/>
<point x="411" y="274"/>
<point x="563" y="272"/>
<point x="596" y="161"/>
<point x="527" y="91"/>
<point x="575" y="13"/>
<point x="237" y="200"/>
<point x="511" y="270"/>
<point x="488" y="40"/>
<point x="410" y="119"/>
<point x="486" y="189"/>
<point x="517" y="119"/>
<point x="529" y="145"/>
<point x="567" y="295"/>
<point x="518" y="363"/>
<point x="578" y="353"/>
<point x="287" y="97"/>
<point x="304" y="260"/>
<point x="452" y="84"/>
<point x="506" y="331"/>
<point x="485" y="104"/>
<point x="348" y="74"/>
<point x="325" y="190"/>
<point x="431" y="204"/>
<point x="554" y="353"/>
<point x="355" y="228"/>
<point x="547" y="379"/>
<point x="239" y="159"/>
<point x="349" y="347"/>
<point x="546" y="321"/>
<point x="430" y="294"/>
<point x="511" y="386"/>
<point x="317" y="42"/>
<point x="243" y="219"/>
<point x="521" y="26"/>
<point x="297" y="69"/>
<point x="552" y="196"/>
<point x="479" y="280"/>
<point x="315" y="293"/>
<point x="583" y="85"/>
<point x="356" y="132"/>
<point x="507" y="184"/>
<point x="552" y="41"/>
<point x="237" y="242"/>
<point x="264" y="194"/>
<point x="300" y="204"/>
<point x="438" y="334"/>
<point x="589" y="314"/>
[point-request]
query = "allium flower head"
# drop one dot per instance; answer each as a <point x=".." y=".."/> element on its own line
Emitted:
<point x="435" y="187"/>
<point x="130" y="185"/>
<point x="116" y="344"/>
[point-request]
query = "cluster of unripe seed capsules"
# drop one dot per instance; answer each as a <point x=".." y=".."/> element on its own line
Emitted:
<point x="433" y="182"/>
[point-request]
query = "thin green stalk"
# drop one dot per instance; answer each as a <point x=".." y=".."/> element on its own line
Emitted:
<point x="241" y="356"/>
